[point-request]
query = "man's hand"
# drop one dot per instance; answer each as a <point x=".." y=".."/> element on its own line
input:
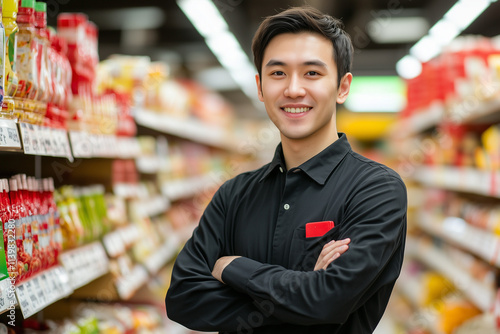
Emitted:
<point x="220" y="265"/>
<point x="330" y="252"/>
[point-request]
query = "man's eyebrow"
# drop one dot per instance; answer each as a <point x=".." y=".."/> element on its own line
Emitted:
<point x="275" y="62"/>
<point x="316" y="62"/>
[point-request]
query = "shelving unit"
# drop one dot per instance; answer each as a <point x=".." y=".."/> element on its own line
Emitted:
<point x="439" y="229"/>
<point x="85" y="271"/>
<point x="481" y="295"/>
<point x="456" y="231"/>
<point x="187" y="128"/>
<point x="486" y="183"/>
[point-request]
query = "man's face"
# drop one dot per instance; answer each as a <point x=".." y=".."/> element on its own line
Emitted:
<point x="299" y="85"/>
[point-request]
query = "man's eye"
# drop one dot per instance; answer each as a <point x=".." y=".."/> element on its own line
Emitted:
<point x="278" y="73"/>
<point x="312" y="73"/>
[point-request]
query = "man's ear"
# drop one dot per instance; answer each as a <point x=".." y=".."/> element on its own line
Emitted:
<point x="344" y="87"/>
<point x="259" y="88"/>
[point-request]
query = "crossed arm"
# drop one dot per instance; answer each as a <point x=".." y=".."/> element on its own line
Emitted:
<point x="329" y="253"/>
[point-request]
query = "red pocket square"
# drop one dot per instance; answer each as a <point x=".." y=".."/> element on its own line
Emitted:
<point x="318" y="229"/>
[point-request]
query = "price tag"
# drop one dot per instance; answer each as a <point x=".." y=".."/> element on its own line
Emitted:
<point x="9" y="136"/>
<point x="43" y="135"/>
<point x="25" y="302"/>
<point x="85" y="264"/>
<point x="65" y="147"/>
<point x="7" y="295"/>
<point x="80" y="144"/>
<point x="126" y="286"/>
<point x="114" y="243"/>
<point x="30" y="143"/>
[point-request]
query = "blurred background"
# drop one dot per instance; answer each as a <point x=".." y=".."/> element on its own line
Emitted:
<point x="120" y="120"/>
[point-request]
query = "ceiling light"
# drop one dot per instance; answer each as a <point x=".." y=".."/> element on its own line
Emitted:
<point x="397" y="29"/>
<point x="426" y="49"/>
<point x="464" y="12"/>
<point x="444" y="31"/>
<point x="207" y="19"/>
<point x="204" y="16"/>
<point x="456" y="20"/>
<point x="409" y="67"/>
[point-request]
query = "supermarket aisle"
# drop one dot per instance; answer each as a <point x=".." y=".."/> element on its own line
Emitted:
<point x="108" y="164"/>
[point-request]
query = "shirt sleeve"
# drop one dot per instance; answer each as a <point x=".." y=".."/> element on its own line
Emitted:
<point x="195" y="298"/>
<point x="375" y="220"/>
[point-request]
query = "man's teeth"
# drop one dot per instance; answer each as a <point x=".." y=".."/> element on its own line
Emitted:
<point x="296" y="110"/>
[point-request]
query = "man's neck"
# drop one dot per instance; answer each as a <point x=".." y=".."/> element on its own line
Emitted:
<point x="296" y="152"/>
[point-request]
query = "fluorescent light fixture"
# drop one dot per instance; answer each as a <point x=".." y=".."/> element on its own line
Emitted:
<point x="409" y="67"/>
<point x="397" y="29"/>
<point x="425" y="49"/>
<point x="207" y="19"/>
<point x="444" y="31"/>
<point x="464" y="12"/>
<point x="227" y="50"/>
<point x="456" y="20"/>
<point x="376" y="94"/>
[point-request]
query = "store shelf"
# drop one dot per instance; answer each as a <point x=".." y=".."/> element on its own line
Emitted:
<point x="457" y="231"/>
<point x="9" y="136"/>
<point x="420" y="121"/>
<point x="410" y="288"/>
<point x="118" y="241"/>
<point x="43" y="290"/>
<point x="486" y="112"/>
<point x="85" y="264"/>
<point x="150" y="207"/>
<point x="44" y="141"/>
<point x="460" y="179"/>
<point x="164" y="254"/>
<point x="183" y="188"/>
<point x="186" y="128"/>
<point x="478" y="293"/>
<point x="127" y="286"/>
<point x="88" y="145"/>
<point x="151" y="164"/>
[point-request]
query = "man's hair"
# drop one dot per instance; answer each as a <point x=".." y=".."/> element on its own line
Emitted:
<point x="305" y="19"/>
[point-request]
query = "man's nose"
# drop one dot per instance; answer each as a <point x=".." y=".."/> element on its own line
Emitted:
<point x="295" y="88"/>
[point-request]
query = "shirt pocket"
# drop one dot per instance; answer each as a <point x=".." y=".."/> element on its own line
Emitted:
<point x="304" y="252"/>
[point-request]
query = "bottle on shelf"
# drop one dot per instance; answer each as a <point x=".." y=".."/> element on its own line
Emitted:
<point x="9" y="16"/>
<point x="27" y="53"/>
<point x="42" y="43"/>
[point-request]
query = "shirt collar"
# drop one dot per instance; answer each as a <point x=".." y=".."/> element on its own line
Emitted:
<point x="318" y="167"/>
<point x="278" y="161"/>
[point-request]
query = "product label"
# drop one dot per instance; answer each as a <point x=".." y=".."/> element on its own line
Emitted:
<point x="11" y="82"/>
<point x="26" y="65"/>
<point x="9" y="136"/>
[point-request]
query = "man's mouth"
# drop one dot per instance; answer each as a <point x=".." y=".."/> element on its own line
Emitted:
<point x="296" y="110"/>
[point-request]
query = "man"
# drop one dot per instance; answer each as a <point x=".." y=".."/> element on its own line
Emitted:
<point x="252" y="265"/>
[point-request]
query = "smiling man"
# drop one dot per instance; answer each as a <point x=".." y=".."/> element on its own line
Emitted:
<point x="313" y="241"/>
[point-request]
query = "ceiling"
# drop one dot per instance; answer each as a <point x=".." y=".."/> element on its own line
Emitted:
<point x="164" y="33"/>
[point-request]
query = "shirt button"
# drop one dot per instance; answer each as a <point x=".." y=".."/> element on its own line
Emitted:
<point x="286" y="206"/>
<point x="281" y="169"/>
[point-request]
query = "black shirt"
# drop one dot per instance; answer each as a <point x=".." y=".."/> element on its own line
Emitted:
<point x="261" y="216"/>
